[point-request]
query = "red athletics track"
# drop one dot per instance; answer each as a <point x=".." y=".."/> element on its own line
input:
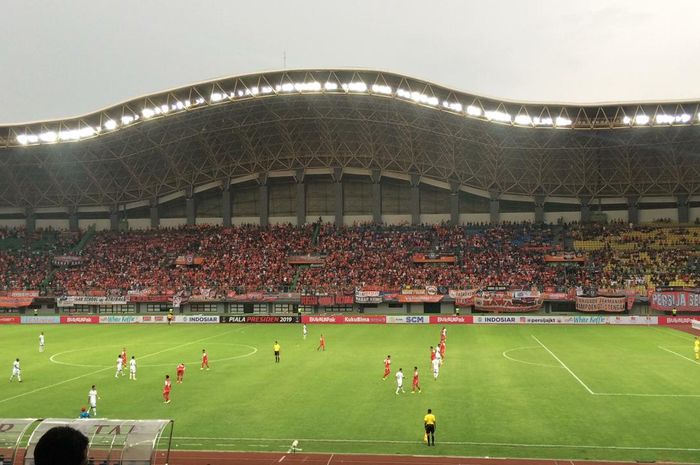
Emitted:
<point x="269" y="458"/>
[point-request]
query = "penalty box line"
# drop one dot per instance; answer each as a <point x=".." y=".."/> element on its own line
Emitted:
<point x="92" y="373"/>
<point x="590" y="391"/>
<point x="680" y="355"/>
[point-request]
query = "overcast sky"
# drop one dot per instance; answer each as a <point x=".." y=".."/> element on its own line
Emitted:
<point x="66" y="58"/>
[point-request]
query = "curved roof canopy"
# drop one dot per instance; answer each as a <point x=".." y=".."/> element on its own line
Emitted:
<point x="289" y="120"/>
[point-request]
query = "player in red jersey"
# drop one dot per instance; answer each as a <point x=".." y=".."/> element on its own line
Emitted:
<point x="443" y="335"/>
<point x="387" y="367"/>
<point x="124" y="356"/>
<point x="180" y="372"/>
<point x="443" y="348"/>
<point x="322" y="343"/>
<point x="166" y="390"/>
<point x="416" y="383"/>
<point x="205" y="360"/>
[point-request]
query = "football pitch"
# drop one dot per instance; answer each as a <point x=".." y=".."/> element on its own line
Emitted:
<point x="567" y="392"/>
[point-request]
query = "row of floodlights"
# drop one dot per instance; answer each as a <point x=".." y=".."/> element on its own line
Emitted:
<point x="355" y="87"/>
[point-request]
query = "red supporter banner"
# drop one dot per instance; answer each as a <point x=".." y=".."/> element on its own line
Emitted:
<point x="413" y="298"/>
<point x="683" y="301"/>
<point x="15" y="302"/>
<point x="451" y="320"/>
<point x="149" y="298"/>
<point x="82" y="320"/>
<point x="305" y="260"/>
<point x="10" y="320"/>
<point x="601" y="304"/>
<point x="433" y="258"/>
<point x="560" y="296"/>
<point x="342" y="319"/>
<point x="309" y="300"/>
<point x="189" y="260"/>
<point x="564" y="258"/>
<point x="20" y="293"/>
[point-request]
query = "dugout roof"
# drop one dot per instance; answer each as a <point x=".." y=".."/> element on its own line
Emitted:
<point x="287" y="121"/>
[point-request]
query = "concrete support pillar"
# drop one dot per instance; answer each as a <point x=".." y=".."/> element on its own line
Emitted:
<point x="682" y="200"/>
<point x="155" y="214"/>
<point x="454" y="203"/>
<point x="585" y="208"/>
<point x="264" y="201"/>
<point x="73" y="223"/>
<point x="190" y="206"/>
<point x="415" y="199"/>
<point x="494" y="207"/>
<point x="301" y="197"/>
<point x="114" y="218"/>
<point x="633" y="209"/>
<point x="539" y="208"/>
<point x="338" y="187"/>
<point x="30" y="220"/>
<point x="376" y="196"/>
<point x="226" y="202"/>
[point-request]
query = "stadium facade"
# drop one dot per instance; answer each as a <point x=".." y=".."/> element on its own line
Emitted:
<point x="349" y="146"/>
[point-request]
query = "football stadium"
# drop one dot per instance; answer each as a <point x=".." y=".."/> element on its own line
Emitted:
<point x="333" y="266"/>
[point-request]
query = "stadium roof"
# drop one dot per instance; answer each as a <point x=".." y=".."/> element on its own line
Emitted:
<point x="372" y="120"/>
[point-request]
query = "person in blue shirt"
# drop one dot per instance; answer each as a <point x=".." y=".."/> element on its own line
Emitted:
<point x="84" y="413"/>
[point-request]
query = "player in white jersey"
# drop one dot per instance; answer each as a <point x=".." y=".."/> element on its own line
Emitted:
<point x="399" y="381"/>
<point x="132" y="368"/>
<point x="92" y="400"/>
<point x="305" y="331"/>
<point x="436" y="368"/>
<point x="438" y="357"/>
<point x="16" y="371"/>
<point x="41" y="342"/>
<point x="120" y="367"/>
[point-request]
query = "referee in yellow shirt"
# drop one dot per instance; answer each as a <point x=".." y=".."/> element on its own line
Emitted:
<point x="430" y="424"/>
<point x="276" y="348"/>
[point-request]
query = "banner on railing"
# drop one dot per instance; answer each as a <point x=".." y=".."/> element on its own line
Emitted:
<point x="601" y="304"/>
<point x="15" y="302"/>
<point x="73" y="300"/>
<point x="687" y="300"/>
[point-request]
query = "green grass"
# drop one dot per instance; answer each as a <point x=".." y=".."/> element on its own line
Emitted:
<point x="486" y="404"/>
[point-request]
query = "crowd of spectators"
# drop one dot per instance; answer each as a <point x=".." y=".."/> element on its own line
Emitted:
<point x="251" y="258"/>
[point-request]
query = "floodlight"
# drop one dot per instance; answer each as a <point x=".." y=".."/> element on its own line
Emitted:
<point x="32" y="139"/>
<point x="48" y="136"/>
<point x="22" y="139"/>
<point x="523" y="119"/>
<point x="69" y="135"/>
<point x="87" y="131"/>
<point x="454" y="106"/>
<point x="684" y="118"/>
<point x="127" y="119"/>
<point x="641" y="119"/>
<point x="287" y="87"/>
<point x="147" y="112"/>
<point x="498" y="116"/>
<point x="537" y="121"/>
<point x="110" y="124"/>
<point x="561" y="121"/>
<point x="380" y="89"/>
<point x="330" y="86"/>
<point x="473" y="111"/>
<point x="626" y="120"/>
<point x="216" y="97"/>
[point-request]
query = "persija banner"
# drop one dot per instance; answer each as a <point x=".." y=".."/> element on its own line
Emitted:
<point x="684" y="301"/>
<point x="601" y="304"/>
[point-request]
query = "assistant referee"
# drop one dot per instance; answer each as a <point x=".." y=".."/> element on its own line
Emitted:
<point x="430" y="424"/>
<point x="276" y="349"/>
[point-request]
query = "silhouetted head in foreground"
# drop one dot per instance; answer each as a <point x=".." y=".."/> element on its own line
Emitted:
<point x="61" y="445"/>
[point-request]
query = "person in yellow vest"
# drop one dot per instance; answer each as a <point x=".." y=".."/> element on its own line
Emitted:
<point x="170" y="316"/>
<point x="674" y="312"/>
<point x="276" y="349"/>
<point x="696" y="348"/>
<point x="430" y="424"/>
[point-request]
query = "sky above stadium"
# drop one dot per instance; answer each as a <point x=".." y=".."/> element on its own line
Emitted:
<point x="62" y="59"/>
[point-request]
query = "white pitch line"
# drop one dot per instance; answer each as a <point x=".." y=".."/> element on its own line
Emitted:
<point x="457" y="443"/>
<point x="329" y="459"/>
<point x="506" y="352"/>
<point x="681" y="356"/>
<point x="564" y="365"/>
<point x="104" y="369"/>
<point x="644" y="395"/>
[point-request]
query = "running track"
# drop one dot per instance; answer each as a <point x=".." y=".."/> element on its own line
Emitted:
<point x="267" y="458"/>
